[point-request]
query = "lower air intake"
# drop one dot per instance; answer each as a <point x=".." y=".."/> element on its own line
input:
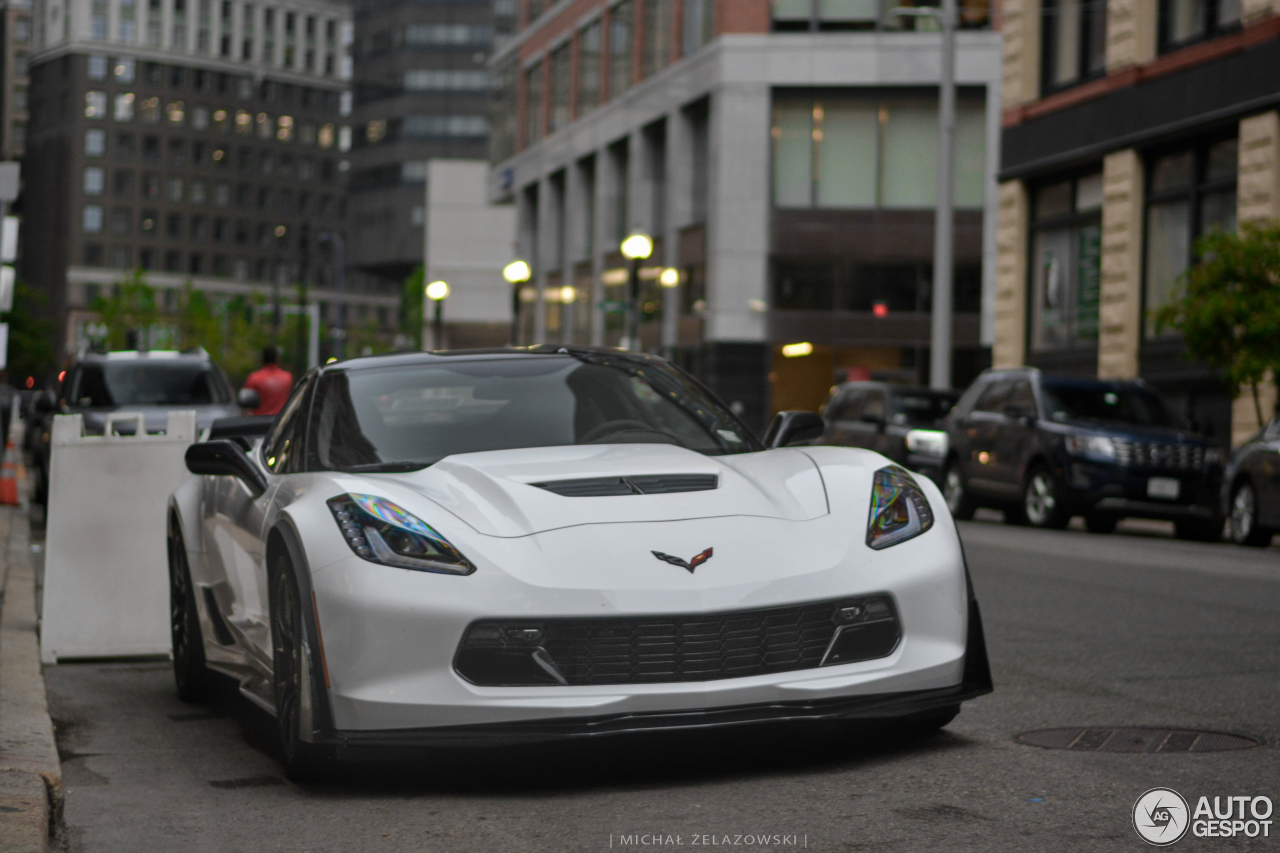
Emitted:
<point x="677" y="648"/>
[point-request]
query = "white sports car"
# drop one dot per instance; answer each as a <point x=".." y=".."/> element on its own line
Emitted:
<point x="514" y="545"/>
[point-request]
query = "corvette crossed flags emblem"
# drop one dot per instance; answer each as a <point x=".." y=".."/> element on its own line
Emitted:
<point x="690" y="565"/>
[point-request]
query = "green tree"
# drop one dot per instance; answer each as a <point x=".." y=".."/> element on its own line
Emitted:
<point x="130" y="308"/>
<point x="412" y="296"/>
<point x="30" y="335"/>
<point x="1228" y="311"/>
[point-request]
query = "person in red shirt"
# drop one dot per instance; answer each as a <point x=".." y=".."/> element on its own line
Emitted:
<point x="272" y="382"/>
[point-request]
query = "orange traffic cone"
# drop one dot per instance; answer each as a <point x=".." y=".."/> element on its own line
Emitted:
<point x="9" y="475"/>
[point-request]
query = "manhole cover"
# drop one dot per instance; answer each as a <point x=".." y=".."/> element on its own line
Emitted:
<point x="1136" y="740"/>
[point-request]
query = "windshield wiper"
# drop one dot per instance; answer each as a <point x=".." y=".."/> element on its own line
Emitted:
<point x="385" y="467"/>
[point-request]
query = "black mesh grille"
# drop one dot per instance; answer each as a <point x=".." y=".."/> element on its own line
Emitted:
<point x="1168" y="457"/>
<point x="648" y="484"/>
<point x="662" y="649"/>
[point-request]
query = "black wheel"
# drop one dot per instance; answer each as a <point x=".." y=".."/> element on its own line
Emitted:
<point x="1097" y="522"/>
<point x="303" y="761"/>
<point x="1199" y="530"/>
<point x="1243" y="527"/>
<point x="956" y="494"/>
<point x="1042" y="500"/>
<point x="194" y="680"/>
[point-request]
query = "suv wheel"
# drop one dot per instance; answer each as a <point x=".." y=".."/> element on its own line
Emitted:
<point x="1243" y="525"/>
<point x="957" y="496"/>
<point x="1042" y="500"/>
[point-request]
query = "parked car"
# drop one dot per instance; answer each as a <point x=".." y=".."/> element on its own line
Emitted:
<point x="1251" y="488"/>
<point x="446" y="550"/>
<point x="902" y="422"/>
<point x="1046" y="448"/>
<point x="150" y="383"/>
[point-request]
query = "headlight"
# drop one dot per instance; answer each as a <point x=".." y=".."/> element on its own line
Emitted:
<point x="382" y="532"/>
<point x="899" y="509"/>
<point x="1096" y="446"/>
<point x="927" y="442"/>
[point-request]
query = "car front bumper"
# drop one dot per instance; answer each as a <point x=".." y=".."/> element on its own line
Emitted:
<point x="1111" y="489"/>
<point x="389" y="636"/>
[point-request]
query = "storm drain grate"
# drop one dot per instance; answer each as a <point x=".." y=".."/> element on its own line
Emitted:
<point x="1136" y="739"/>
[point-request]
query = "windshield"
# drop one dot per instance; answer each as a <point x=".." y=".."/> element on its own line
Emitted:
<point x="149" y="383"/>
<point x="409" y="417"/>
<point x="921" y="410"/>
<point x="1069" y="401"/>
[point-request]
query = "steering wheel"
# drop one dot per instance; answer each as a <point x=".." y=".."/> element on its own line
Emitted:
<point x="611" y="427"/>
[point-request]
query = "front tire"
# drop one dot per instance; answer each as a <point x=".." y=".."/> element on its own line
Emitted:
<point x="1243" y="527"/>
<point x="194" y="680"/>
<point x="956" y="494"/>
<point x="303" y="761"/>
<point x="1042" y="501"/>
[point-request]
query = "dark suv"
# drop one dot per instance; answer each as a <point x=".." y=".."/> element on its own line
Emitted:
<point x="1045" y="448"/>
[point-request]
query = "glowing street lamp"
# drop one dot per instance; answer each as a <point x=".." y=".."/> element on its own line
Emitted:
<point x="635" y="248"/>
<point x="516" y="273"/>
<point x="670" y="277"/>
<point x="438" y="292"/>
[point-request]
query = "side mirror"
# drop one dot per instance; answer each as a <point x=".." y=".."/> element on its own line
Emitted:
<point x="790" y="427"/>
<point x="225" y="458"/>
<point x="247" y="398"/>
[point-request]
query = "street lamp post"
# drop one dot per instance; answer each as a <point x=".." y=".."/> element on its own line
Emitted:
<point x="277" y="273"/>
<point x="516" y="273"/>
<point x="944" y="215"/>
<point x="437" y="292"/>
<point x="339" y="331"/>
<point x="635" y="249"/>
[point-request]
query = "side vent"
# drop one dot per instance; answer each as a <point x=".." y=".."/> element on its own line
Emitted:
<point x="215" y="616"/>
<point x="647" y="484"/>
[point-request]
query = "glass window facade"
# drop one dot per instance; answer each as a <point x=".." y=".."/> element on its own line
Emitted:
<point x="1066" y="263"/>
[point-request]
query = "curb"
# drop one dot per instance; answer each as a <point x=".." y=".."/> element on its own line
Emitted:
<point x="30" y="773"/>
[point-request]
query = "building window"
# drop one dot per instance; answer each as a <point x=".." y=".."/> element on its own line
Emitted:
<point x="1189" y="193"/>
<point x="589" y="69"/>
<point x="431" y="80"/>
<point x="696" y="26"/>
<point x="95" y="105"/>
<point x="1066" y="263"/>
<point x="93" y="255"/>
<point x="174" y="192"/>
<point x="621" y="25"/>
<point x="95" y="143"/>
<point x="413" y="171"/>
<point x="438" y="35"/>
<point x="657" y="36"/>
<point x="149" y="110"/>
<point x="125" y="69"/>
<point x="847" y="152"/>
<point x="560" y="87"/>
<point x="124" y="107"/>
<point x="1074" y="42"/>
<point x="93" y="219"/>
<point x="97" y="67"/>
<point x="802" y="15"/>
<point x="94" y="180"/>
<point x="533" y="99"/>
<point x="121" y="257"/>
<point x="1184" y="22"/>
<point x="121" y="220"/>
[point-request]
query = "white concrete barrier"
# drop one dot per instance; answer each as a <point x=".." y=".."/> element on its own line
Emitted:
<point x="106" y="577"/>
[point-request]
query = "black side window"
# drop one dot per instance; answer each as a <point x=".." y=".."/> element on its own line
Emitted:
<point x="283" y="448"/>
<point x="1022" y="396"/>
<point x="994" y="397"/>
<point x="846" y="408"/>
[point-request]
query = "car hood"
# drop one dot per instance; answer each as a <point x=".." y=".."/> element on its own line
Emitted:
<point x="493" y="492"/>
<point x="1134" y="432"/>
<point x="155" y="417"/>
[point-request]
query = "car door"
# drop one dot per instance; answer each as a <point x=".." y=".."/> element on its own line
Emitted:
<point x="1264" y="470"/>
<point x="234" y="532"/>
<point x="982" y="428"/>
<point x="1014" y="435"/>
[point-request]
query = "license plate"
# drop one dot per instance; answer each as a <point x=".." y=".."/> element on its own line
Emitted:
<point x="1163" y="487"/>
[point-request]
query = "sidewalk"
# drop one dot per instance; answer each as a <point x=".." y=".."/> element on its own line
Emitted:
<point x="30" y="773"/>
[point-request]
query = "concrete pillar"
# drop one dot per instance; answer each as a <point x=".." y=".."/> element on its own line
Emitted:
<point x="606" y="190"/>
<point x="737" y="222"/>
<point x="546" y="256"/>
<point x="1012" y="279"/>
<point x="573" y="241"/>
<point x="1021" y="22"/>
<point x="1120" y="308"/>
<point x="1257" y="200"/>
<point x="679" y="207"/>
<point x="1131" y="32"/>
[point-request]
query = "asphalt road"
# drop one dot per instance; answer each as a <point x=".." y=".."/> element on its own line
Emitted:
<point x="1083" y="630"/>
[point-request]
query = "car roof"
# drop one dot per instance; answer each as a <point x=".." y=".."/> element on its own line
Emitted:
<point x="145" y="355"/>
<point x="894" y="388"/>
<point x="400" y="359"/>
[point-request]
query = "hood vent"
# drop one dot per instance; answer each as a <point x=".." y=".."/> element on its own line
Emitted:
<point x="649" y="484"/>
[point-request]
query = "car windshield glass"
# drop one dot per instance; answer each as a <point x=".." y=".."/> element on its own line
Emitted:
<point x="149" y="383"/>
<point x="921" y="410"/>
<point x="399" y="418"/>
<point x="1069" y="401"/>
